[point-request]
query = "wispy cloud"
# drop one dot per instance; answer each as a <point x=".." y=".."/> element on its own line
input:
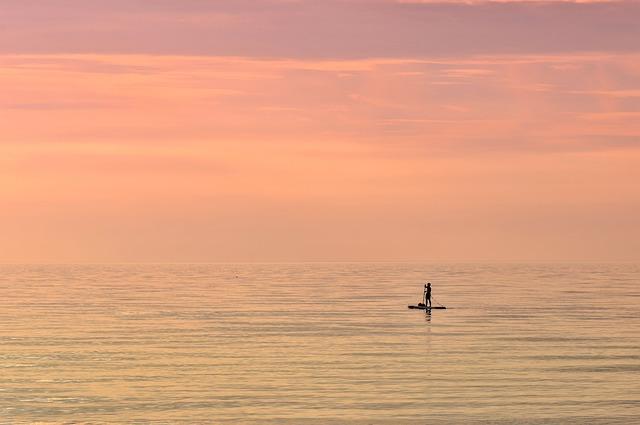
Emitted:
<point x="523" y="103"/>
<point x="611" y="93"/>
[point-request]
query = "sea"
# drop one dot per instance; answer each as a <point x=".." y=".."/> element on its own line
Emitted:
<point x="320" y="343"/>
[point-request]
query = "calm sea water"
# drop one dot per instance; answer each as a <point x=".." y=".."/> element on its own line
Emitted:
<point x="320" y="343"/>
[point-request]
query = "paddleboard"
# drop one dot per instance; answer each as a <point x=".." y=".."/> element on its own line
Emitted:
<point x="422" y="307"/>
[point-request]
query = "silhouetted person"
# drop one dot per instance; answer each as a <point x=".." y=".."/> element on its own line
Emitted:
<point x="427" y="295"/>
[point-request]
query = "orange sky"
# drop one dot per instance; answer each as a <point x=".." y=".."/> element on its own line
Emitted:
<point x="264" y="146"/>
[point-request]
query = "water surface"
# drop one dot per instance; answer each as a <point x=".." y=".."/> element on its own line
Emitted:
<point x="320" y="343"/>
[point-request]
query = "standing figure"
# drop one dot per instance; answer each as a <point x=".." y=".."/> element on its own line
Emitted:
<point x="427" y="295"/>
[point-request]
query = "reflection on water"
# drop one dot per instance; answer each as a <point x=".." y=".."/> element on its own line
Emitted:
<point x="320" y="343"/>
<point x="427" y="314"/>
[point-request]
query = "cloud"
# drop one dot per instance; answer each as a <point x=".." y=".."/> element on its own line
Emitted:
<point x="481" y="2"/>
<point x="57" y="105"/>
<point x="611" y="93"/>
<point x="317" y="29"/>
<point x="454" y="106"/>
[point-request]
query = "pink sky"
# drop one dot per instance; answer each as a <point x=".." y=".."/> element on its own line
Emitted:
<point x="192" y="130"/>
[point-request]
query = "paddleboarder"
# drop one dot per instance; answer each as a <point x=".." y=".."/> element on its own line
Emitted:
<point x="427" y="295"/>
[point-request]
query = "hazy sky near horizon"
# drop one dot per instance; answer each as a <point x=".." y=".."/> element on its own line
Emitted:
<point x="338" y="130"/>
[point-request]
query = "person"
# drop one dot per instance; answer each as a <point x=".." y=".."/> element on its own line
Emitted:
<point x="427" y="295"/>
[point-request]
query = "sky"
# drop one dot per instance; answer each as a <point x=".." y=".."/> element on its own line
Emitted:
<point x="319" y="130"/>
